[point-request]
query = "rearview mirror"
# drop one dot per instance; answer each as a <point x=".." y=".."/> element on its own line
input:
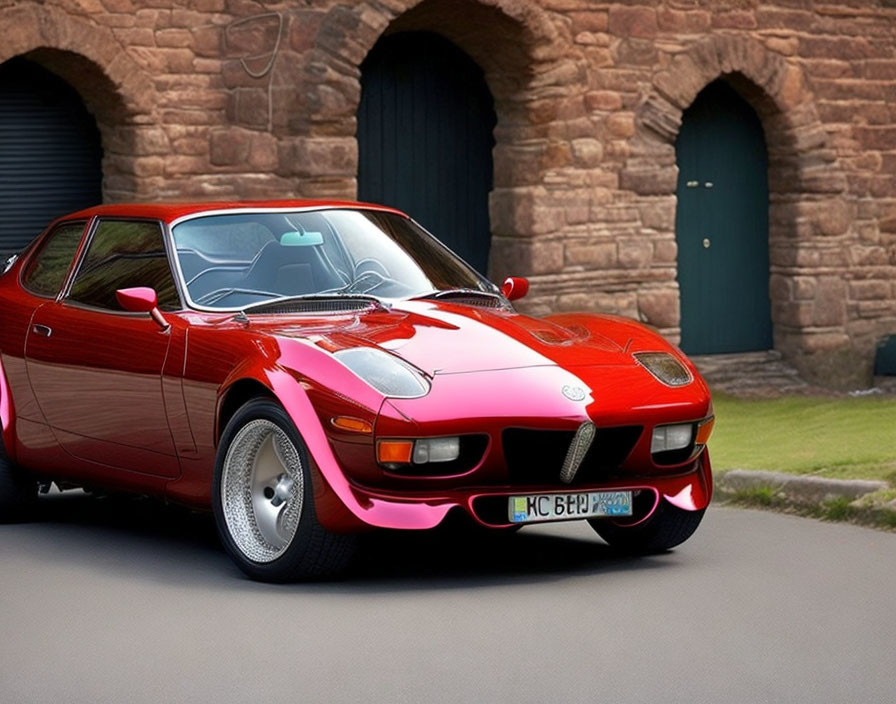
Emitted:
<point x="515" y="287"/>
<point x="141" y="299"/>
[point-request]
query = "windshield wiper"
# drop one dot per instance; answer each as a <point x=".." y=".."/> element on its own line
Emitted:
<point x="347" y="297"/>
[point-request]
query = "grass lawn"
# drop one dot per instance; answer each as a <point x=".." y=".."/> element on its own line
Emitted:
<point x="844" y="438"/>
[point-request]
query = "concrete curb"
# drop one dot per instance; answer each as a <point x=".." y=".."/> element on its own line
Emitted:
<point x="796" y="488"/>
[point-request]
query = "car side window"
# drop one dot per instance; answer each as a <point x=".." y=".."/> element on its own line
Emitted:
<point x="47" y="269"/>
<point x="124" y="254"/>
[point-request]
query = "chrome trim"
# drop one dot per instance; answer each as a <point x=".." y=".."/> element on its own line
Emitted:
<point x="578" y="448"/>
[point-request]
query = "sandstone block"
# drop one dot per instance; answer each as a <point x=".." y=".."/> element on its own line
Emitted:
<point x="524" y="211"/>
<point x="592" y="21"/>
<point x="734" y="19"/>
<point x="592" y="255"/>
<point x="250" y="107"/>
<point x="658" y="214"/>
<point x="665" y="251"/>
<point x="660" y="307"/>
<point x="635" y="253"/>
<point x="869" y="290"/>
<point x="780" y="288"/>
<point x="834" y="216"/>
<point x="655" y="181"/>
<point x="829" y="304"/>
<point x="864" y="255"/>
<point x="318" y="156"/>
<point x="587" y="152"/>
<point x="603" y="100"/>
<point x="787" y="46"/>
<point x="684" y="21"/>
<point x="632" y="21"/>
<point x="875" y="309"/>
<point x="804" y="288"/>
<point x="635" y="52"/>
<point x="176" y="38"/>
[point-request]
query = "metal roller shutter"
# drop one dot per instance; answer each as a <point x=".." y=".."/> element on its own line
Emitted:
<point x="50" y="152"/>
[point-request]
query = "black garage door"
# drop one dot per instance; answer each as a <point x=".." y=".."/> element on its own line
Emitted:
<point x="425" y="138"/>
<point x="50" y="153"/>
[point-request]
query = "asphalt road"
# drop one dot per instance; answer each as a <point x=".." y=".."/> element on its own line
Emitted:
<point x="125" y="601"/>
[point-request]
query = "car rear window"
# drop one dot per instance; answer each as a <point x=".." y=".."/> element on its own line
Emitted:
<point x="47" y="270"/>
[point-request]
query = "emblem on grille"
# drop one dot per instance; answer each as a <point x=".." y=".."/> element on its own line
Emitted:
<point x="574" y="393"/>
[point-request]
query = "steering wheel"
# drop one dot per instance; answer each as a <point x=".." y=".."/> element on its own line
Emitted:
<point x="376" y="264"/>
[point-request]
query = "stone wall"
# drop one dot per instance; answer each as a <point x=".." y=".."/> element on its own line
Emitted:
<point x="235" y="98"/>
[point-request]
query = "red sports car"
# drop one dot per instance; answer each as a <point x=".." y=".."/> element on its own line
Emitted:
<point x="313" y="370"/>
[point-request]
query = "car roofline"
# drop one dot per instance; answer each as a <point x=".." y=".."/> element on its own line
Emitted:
<point x="171" y="212"/>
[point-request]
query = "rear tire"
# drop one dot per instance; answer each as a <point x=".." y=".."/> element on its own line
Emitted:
<point x="667" y="527"/>
<point x="18" y="490"/>
<point x="263" y="500"/>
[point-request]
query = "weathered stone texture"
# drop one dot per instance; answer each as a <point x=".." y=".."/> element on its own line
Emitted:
<point x="226" y="98"/>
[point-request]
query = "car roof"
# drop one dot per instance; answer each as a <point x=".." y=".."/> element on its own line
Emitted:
<point x="168" y="212"/>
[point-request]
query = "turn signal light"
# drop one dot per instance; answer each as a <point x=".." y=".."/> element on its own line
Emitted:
<point x="704" y="430"/>
<point x="394" y="451"/>
<point x="352" y="425"/>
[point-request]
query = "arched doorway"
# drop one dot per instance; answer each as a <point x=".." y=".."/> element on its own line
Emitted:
<point x="425" y="125"/>
<point x="50" y="152"/>
<point x="722" y="225"/>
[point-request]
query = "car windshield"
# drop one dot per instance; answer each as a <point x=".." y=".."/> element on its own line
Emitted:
<point x="231" y="261"/>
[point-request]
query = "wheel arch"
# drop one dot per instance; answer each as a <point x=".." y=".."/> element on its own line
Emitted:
<point x="235" y="395"/>
<point x="7" y="415"/>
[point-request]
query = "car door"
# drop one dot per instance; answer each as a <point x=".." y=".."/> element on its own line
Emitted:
<point x="95" y="369"/>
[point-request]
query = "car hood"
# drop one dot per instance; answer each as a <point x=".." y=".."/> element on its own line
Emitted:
<point x="448" y="338"/>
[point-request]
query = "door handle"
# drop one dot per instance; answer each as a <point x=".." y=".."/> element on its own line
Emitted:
<point x="42" y="330"/>
<point x="706" y="243"/>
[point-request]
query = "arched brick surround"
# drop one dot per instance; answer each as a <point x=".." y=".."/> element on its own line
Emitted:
<point x="538" y="88"/>
<point x="113" y="86"/>
<point x="811" y="214"/>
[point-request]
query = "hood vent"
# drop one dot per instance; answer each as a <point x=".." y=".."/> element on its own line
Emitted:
<point x="465" y="299"/>
<point x="311" y="306"/>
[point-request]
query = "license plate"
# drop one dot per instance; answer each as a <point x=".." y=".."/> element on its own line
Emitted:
<point x="565" y="507"/>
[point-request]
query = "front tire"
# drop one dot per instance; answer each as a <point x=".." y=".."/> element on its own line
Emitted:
<point x="667" y="527"/>
<point x="18" y="490"/>
<point x="263" y="500"/>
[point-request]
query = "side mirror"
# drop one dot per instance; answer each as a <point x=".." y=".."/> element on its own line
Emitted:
<point x="515" y="287"/>
<point x="141" y="300"/>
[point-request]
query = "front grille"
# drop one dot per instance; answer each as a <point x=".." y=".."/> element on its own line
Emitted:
<point x="536" y="456"/>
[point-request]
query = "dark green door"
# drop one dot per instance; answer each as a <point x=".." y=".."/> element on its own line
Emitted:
<point x="722" y="225"/>
<point x="425" y="141"/>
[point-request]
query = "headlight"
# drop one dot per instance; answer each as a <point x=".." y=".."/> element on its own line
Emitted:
<point x="665" y="368"/>
<point x="671" y="437"/>
<point x="10" y="260"/>
<point x="387" y="374"/>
